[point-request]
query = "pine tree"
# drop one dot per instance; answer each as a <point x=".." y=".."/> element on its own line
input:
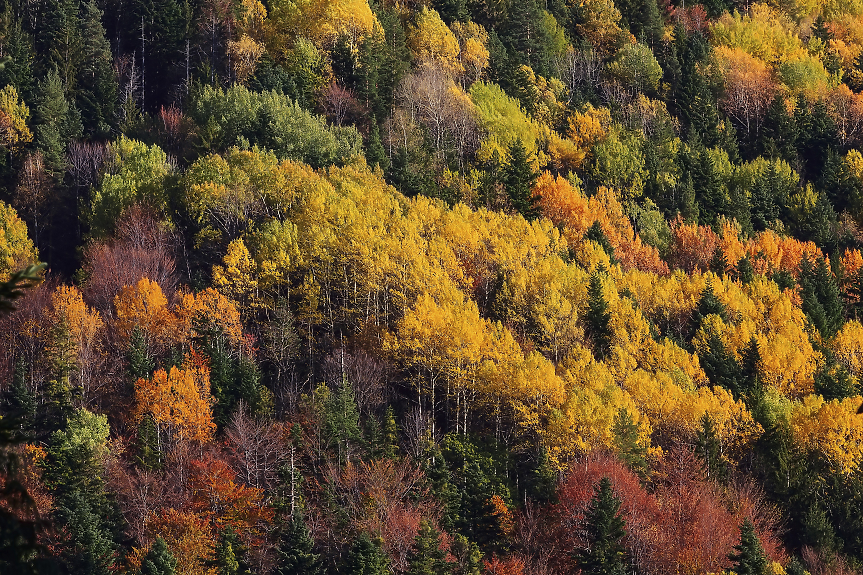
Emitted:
<point x="598" y="318"/>
<point x="295" y="556"/>
<point x="627" y="443"/>
<point x="519" y="178"/>
<point x="149" y="452"/>
<point x="21" y="401"/>
<point x="366" y="557"/>
<point x="720" y="365"/>
<point x="749" y="558"/>
<point x="159" y="560"/>
<point x="604" y="553"/>
<point x="709" y="448"/>
<point x="426" y="557"/>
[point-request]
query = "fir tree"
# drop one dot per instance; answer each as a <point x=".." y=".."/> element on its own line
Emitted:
<point x="627" y="443"/>
<point x="21" y="401"/>
<point x="598" y="318"/>
<point x="230" y="555"/>
<point x="390" y="434"/>
<point x="749" y="558"/>
<point x="519" y="178"/>
<point x="541" y="482"/>
<point x="708" y="304"/>
<point x="468" y="557"/>
<point x="141" y="365"/>
<point x="149" y="451"/>
<point x="56" y="122"/>
<point x="366" y="557"/>
<point x="295" y="551"/>
<point x="341" y="423"/>
<point x="97" y="88"/>
<point x="18" y="46"/>
<point x="604" y="553"/>
<point x="375" y="153"/>
<point x="720" y="365"/>
<point x="821" y="297"/>
<point x="426" y="556"/>
<point x="595" y="234"/>
<point x="745" y="271"/>
<point x="159" y="560"/>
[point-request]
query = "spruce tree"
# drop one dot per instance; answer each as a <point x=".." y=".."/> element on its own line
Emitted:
<point x="519" y="178"/>
<point x="149" y="451"/>
<point x="720" y="365"/>
<point x="230" y="555"/>
<point x="821" y="296"/>
<point x="56" y="122"/>
<point x="598" y="317"/>
<point x="708" y="304"/>
<point x="21" y="402"/>
<point x="390" y="434"/>
<point x="627" y="443"/>
<point x="295" y="551"/>
<point x="604" y="553"/>
<point x="709" y="448"/>
<point x="96" y="95"/>
<point x="595" y="234"/>
<point x="159" y="560"/>
<point x="376" y="155"/>
<point x="341" y="425"/>
<point x="749" y="558"/>
<point x="367" y="557"/>
<point x="426" y="556"/>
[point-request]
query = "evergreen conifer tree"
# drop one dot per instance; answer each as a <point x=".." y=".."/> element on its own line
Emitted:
<point x="708" y="304"/>
<point x="230" y="555"/>
<point x="21" y="401"/>
<point x="376" y="155"/>
<point x="295" y="552"/>
<point x="56" y="122"/>
<point x="598" y="317"/>
<point x="821" y="297"/>
<point x="709" y="449"/>
<point x="519" y="178"/>
<point x="604" y="529"/>
<point x="96" y="95"/>
<point x="426" y="557"/>
<point x="626" y="442"/>
<point x="342" y="421"/>
<point x="366" y="557"/>
<point x="749" y="558"/>
<point x="720" y="365"/>
<point x="149" y="451"/>
<point x="159" y="560"/>
<point x="595" y="234"/>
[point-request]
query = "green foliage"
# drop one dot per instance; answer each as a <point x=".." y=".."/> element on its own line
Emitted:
<point x="366" y="557"/>
<point x="598" y="318"/>
<point x="595" y="234"/>
<point x="137" y="176"/>
<point x="269" y="120"/>
<point x="158" y="560"/>
<point x="230" y="554"/>
<point x="708" y="447"/>
<point x="627" y="443"/>
<point x="749" y="558"/>
<point x="341" y="422"/>
<point x="149" y="449"/>
<point x="604" y="553"/>
<point x="821" y="298"/>
<point x="635" y="67"/>
<point x="56" y="122"/>
<point x="97" y="93"/>
<point x="519" y="178"/>
<point x="426" y="556"/>
<point x="295" y="550"/>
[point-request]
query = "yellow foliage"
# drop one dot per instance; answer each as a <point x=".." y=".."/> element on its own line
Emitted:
<point x="209" y="309"/>
<point x="16" y="249"/>
<point x="237" y="278"/>
<point x="323" y="21"/>
<point x="14" y="133"/>
<point x="245" y="54"/>
<point x="432" y="42"/>
<point x="832" y="428"/>
<point x="848" y="347"/>
<point x="144" y="305"/>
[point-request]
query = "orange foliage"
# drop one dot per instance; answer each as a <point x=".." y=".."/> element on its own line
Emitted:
<point x="567" y="206"/>
<point x="512" y="565"/>
<point x="210" y="309"/>
<point x="692" y="246"/>
<point x="144" y="305"/>
<point x="179" y="400"/>
<point x="189" y="537"/>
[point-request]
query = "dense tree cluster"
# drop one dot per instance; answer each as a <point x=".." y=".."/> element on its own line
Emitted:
<point x="434" y="287"/>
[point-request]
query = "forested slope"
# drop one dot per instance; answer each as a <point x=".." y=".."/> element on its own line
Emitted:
<point x="431" y="287"/>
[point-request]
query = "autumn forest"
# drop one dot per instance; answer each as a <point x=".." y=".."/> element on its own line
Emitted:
<point x="431" y="287"/>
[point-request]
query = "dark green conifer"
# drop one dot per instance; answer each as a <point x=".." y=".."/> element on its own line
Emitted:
<point x="341" y="423"/>
<point x="426" y="557"/>
<point x="598" y="318"/>
<point x="720" y="365"/>
<point x="56" y="122"/>
<point x="230" y="555"/>
<point x="749" y="558"/>
<point x="96" y="95"/>
<point x="709" y="448"/>
<point x="149" y="451"/>
<point x="627" y="443"/>
<point x="708" y="304"/>
<point x="295" y="551"/>
<point x="375" y="153"/>
<point x="367" y="557"/>
<point x="159" y="560"/>
<point x="821" y="296"/>
<point x="518" y="179"/>
<point x="604" y="553"/>
<point x="595" y="234"/>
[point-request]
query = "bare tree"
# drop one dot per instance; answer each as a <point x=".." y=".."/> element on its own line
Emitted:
<point x="259" y="447"/>
<point x="366" y="374"/>
<point x="31" y="193"/>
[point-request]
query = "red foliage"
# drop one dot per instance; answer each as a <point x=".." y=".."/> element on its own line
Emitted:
<point x="692" y="246"/>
